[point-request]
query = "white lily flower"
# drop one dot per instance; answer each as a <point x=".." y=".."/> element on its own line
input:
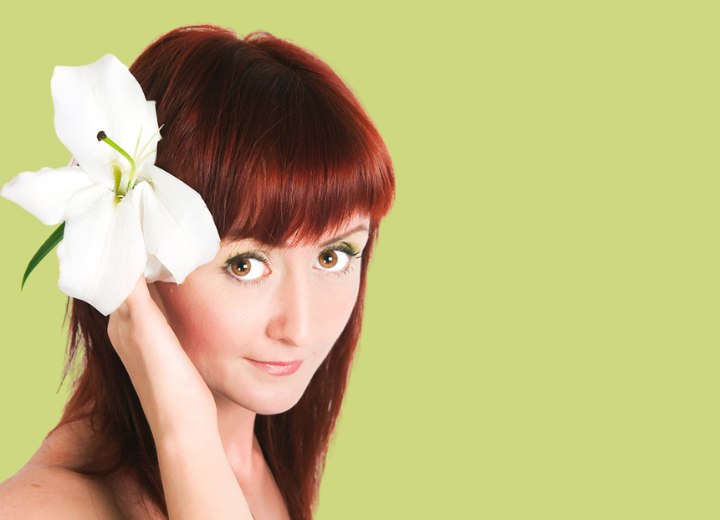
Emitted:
<point x="123" y="216"/>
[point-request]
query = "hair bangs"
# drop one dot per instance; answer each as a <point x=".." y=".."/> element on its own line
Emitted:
<point x="274" y="141"/>
<point x="312" y="168"/>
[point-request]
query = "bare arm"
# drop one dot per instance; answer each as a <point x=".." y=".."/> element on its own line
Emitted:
<point x="197" y="478"/>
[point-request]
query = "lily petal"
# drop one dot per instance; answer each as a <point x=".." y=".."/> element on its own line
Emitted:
<point x="102" y="254"/>
<point x="156" y="272"/>
<point x="101" y="96"/>
<point x="149" y="147"/>
<point x="178" y="227"/>
<point x="45" y="193"/>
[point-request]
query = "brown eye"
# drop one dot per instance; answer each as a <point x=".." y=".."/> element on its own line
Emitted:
<point x="328" y="259"/>
<point x="335" y="260"/>
<point x="247" y="268"/>
<point x="240" y="267"/>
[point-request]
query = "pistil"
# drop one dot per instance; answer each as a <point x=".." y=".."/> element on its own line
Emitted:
<point x="102" y="136"/>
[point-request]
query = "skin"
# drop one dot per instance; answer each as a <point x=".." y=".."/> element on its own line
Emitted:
<point x="185" y="348"/>
<point x="293" y="308"/>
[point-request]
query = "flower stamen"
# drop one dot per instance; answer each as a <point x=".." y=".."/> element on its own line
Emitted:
<point x="102" y="136"/>
<point x="142" y="151"/>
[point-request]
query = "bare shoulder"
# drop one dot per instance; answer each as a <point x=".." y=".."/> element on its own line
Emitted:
<point x="41" y="492"/>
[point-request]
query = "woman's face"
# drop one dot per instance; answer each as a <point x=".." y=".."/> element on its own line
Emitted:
<point x="255" y="303"/>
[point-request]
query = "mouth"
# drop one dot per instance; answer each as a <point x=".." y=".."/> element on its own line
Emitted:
<point x="277" y="368"/>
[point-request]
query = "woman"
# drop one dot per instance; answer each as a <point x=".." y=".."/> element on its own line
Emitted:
<point x="235" y="376"/>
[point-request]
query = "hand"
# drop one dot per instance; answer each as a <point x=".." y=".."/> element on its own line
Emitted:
<point x="197" y="477"/>
<point x="172" y="392"/>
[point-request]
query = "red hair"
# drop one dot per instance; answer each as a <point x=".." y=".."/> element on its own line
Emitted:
<point x="277" y="145"/>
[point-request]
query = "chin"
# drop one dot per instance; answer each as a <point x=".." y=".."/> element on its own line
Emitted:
<point x="274" y="406"/>
<point x="274" y="410"/>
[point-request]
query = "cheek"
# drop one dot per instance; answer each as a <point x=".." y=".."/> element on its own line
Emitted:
<point x="332" y="314"/>
<point x="204" y="324"/>
<point x="340" y="313"/>
<point x="212" y="324"/>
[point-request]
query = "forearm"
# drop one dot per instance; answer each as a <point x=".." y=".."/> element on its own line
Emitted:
<point x="196" y="475"/>
<point x="197" y="478"/>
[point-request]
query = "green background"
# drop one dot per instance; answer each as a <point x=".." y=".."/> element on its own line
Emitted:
<point x="541" y="333"/>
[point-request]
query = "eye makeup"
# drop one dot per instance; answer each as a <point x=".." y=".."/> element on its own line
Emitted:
<point x="344" y="247"/>
<point x="256" y="254"/>
<point x="234" y="259"/>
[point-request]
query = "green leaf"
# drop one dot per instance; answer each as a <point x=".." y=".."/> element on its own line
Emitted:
<point x="47" y="246"/>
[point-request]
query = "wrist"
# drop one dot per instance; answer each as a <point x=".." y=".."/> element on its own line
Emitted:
<point x="176" y="439"/>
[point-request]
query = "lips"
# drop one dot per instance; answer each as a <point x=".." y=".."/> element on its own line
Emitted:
<point x="277" y="368"/>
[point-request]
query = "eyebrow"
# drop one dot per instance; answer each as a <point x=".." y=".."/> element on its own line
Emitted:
<point x="361" y="227"/>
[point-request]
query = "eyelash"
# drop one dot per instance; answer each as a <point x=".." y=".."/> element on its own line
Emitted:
<point x="348" y="250"/>
<point x="258" y="255"/>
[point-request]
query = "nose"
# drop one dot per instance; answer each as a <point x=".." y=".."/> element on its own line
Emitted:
<point x="290" y="322"/>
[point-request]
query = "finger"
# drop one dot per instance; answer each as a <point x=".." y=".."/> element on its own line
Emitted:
<point x="136" y="299"/>
<point x="139" y="294"/>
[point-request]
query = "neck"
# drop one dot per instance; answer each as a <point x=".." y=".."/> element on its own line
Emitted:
<point x="236" y="426"/>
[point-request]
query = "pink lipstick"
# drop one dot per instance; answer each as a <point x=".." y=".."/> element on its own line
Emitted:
<point x="277" y="368"/>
